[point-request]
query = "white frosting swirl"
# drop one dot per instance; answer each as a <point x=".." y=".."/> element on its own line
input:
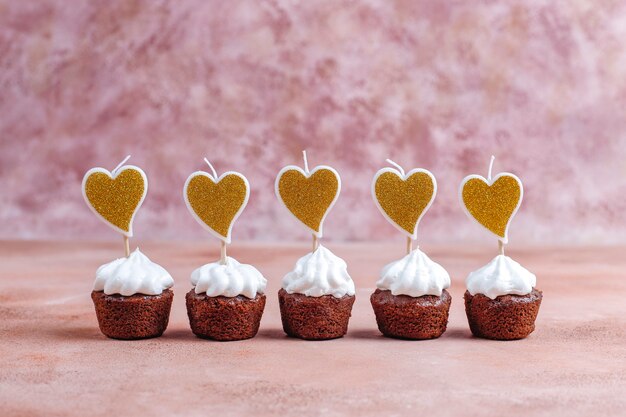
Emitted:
<point x="319" y="273"/>
<point x="228" y="280"/>
<point x="414" y="275"/>
<point x="133" y="275"/>
<point x="501" y="276"/>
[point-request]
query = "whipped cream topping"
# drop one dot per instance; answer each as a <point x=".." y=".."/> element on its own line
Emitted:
<point x="414" y="275"/>
<point x="501" y="276"/>
<point x="133" y="275"/>
<point x="319" y="273"/>
<point x="228" y="280"/>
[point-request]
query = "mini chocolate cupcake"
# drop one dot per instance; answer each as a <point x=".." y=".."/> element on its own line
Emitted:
<point x="317" y="297"/>
<point x="132" y="298"/>
<point x="227" y="301"/>
<point x="501" y="301"/>
<point x="411" y="301"/>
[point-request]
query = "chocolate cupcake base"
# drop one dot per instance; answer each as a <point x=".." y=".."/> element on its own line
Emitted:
<point x="132" y="317"/>
<point x="508" y="317"/>
<point x="224" y="318"/>
<point x="315" y="318"/>
<point x="406" y="317"/>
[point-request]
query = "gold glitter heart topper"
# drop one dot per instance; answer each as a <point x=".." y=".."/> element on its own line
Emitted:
<point x="115" y="197"/>
<point x="308" y="195"/>
<point x="404" y="198"/>
<point x="216" y="202"/>
<point x="492" y="202"/>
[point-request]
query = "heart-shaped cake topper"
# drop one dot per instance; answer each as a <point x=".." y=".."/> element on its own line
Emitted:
<point x="216" y="202"/>
<point x="403" y="198"/>
<point x="116" y="196"/>
<point x="492" y="202"/>
<point x="308" y="195"/>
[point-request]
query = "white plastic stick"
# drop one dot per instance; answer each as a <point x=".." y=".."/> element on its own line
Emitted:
<point x="223" y="252"/>
<point x="120" y="164"/>
<point x="397" y="166"/>
<point x="306" y="162"/>
<point x="212" y="169"/>
<point x="493" y="158"/>
<point x="409" y="245"/>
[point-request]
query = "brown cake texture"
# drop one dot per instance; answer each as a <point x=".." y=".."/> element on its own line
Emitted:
<point x="137" y="316"/>
<point x="507" y="317"/>
<point x="224" y="318"/>
<point x="406" y="317"/>
<point x="315" y="318"/>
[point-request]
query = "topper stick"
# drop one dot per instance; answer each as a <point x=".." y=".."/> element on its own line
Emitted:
<point x="315" y="242"/>
<point x="409" y="245"/>
<point x="126" y="246"/>
<point x="493" y="158"/>
<point x="306" y="163"/>
<point x="397" y="166"/>
<point x="212" y="169"/>
<point x="223" y="252"/>
<point x="120" y="165"/>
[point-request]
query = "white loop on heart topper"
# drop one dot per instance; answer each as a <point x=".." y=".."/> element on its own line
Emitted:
<point x="399" y="171"/>
<point x="113" y="174"/>
<point x="308" y="174"/>
<point x="226" y="239"/>
<point x="489" y="181"/>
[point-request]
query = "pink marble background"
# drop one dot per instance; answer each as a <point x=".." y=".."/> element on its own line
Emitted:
<point x="440" y="85"/>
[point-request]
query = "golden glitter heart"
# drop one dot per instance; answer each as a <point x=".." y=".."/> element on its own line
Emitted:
<point x="492" y="203"/>
<point x="115" y="198"/>
<point x="308" y="196"/>
<point x="403" y="199"/>
<point x="217" y="204"/>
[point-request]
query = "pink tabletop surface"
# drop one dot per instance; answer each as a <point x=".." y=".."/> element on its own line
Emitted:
<point x="54" y="361"/>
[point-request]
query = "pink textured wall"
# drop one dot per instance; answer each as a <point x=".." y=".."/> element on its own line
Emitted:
<point x="441" y="85"/>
